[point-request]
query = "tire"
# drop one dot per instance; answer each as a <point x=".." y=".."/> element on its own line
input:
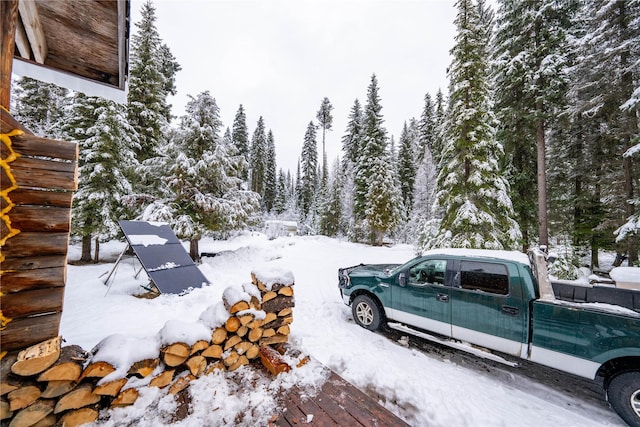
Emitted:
<point x="366" y="312"/>
<point x="624" y="395"/>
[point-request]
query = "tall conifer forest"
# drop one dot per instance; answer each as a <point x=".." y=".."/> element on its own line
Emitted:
<point x="535" y="141"/>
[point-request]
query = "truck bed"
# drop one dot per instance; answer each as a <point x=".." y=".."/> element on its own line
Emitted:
<point x="603" y="294"/>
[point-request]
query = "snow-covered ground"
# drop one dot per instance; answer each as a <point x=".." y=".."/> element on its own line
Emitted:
<point x="420" y="387"/>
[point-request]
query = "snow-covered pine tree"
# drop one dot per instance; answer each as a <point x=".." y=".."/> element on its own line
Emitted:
<point x="373" y="143"/>
<point x="384" y="207"/>
<point x="280" y="201"/>
<point x="378" y="202"/>
<point x="240" y="136"/>
<point x="426" y="127"/>
<point x="258" y="161"/>
<point x="607" y="91"/>
<point x="325" y="120"/>
<point x="40" y="106"/>
<point x="472" y="192"/>
<point x="270" y="174"/>
<point x="422" y="224"/>
<point x="106" y="160"/>
<point x="330" y="222"/>
<point x="352" y="138"/>
<point x="308" y="172"/>
<point x="204" y="192"/>
<point x="437" y="146"/>
<point x="407" y="167"/>
<point x="151" y="80"/>
<point x="530" y="62"/>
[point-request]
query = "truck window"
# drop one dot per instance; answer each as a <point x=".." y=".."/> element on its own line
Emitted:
<point x="484" y="276"/>
<point x="429" y="271"/>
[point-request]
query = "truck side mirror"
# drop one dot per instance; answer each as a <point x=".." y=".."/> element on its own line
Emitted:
<point x="402" y="279"/>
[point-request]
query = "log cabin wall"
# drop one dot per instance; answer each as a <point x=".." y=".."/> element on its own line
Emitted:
<point x="38" y="177"/>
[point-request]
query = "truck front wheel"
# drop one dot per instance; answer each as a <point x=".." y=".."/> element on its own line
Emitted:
<point x="366" y="312"/>
<point x="624" y="395"/>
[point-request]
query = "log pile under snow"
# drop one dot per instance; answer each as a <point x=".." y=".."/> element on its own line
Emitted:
<point x="47" y="384"/>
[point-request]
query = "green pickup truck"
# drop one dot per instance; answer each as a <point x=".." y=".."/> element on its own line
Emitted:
<point x="504" y="301"/>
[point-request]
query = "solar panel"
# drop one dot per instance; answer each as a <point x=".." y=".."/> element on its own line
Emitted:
<point x="163" y="257"/>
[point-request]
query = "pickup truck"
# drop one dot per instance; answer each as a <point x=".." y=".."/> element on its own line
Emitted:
<point x="504" y="301"/>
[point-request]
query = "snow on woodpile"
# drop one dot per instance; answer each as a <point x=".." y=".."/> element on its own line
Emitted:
<point x="215" y="315"/>
<point x="270" y="276"/>
<point x="185" y="332"/>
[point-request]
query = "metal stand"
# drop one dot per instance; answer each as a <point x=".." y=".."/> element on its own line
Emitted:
<point x="113" y="270"/>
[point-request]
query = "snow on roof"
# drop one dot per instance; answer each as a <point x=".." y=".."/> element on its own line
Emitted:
<point x="274" y="275"/>
<point x="484" y="253"/>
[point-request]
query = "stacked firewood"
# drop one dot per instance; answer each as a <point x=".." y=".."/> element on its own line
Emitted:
<point x="48" y="384"/>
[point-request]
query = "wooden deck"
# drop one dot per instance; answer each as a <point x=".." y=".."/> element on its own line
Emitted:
<point x="338" y="403"/>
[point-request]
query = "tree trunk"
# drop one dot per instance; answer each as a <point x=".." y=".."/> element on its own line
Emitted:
<point x="194" y="251"/>
<point x="632" y="239"/>
<point x="542" y="179"/>
<point x="96" y="256"/>
<point x="86" y="249"/>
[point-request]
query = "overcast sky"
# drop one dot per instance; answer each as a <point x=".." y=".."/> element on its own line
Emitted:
<point x="280" y="58"/>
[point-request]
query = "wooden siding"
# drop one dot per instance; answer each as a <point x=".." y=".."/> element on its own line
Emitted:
<point x="38" y="179"/>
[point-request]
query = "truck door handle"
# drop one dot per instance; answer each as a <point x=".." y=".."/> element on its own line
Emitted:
<point x="511" y="311"/>
<point x="442" y="297"/>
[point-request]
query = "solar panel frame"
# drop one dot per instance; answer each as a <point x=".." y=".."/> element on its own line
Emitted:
<point x="162" y="256"/>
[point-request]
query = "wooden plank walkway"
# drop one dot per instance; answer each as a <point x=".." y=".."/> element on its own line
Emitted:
<point x="338" y="403"/>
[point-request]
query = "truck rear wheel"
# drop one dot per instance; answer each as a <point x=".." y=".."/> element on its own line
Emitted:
<point x="366" y="312"/>
<point x="624" y="395"/>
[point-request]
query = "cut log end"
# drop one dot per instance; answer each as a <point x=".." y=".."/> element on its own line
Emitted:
<point x="79" y="416"/>
<point x="37" y="358"/>
<point x="125" y="398"/>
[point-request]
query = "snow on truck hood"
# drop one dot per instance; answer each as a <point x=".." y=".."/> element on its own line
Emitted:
<point x="369" y="269"/>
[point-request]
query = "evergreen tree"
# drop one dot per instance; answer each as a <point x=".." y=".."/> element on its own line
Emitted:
<point x="325" y="119"/>
<point x="605" y="86"/>
<point x="472" y="192"/>
<point x="530" y="80"/>
<point x="280" y="201"/>
<point x="106" y="158"/>
<point x="40" y="106"/>
<point x="258" y="163"/>
<point x="407" y="167"/>
<point x="270" y="189"/>
<point x="331" y="211"/>
<point x="422" y="223"/>
<point x="240" y="136"/>
<point x="437" y="147"/>
<point x="372" y="145"/>
<point x="384" y="201"/>
<point x="204" y="192"/>
<point x="426" y="127"/>
<point x="308" y="177"/>
<point x="151" y="80"/>
<point x="351" y="140"/>
<point x="377" y="197"/>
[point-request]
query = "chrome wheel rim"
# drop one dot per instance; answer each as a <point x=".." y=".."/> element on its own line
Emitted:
<point x="364" y="313"/>
<point x="635" y="402"/>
